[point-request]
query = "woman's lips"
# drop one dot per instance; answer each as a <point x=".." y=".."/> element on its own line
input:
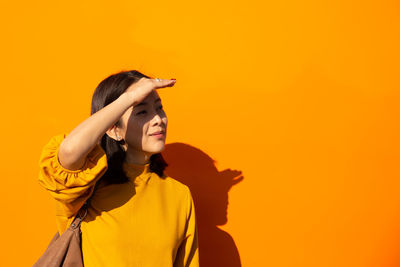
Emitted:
<point x="160" y="135"/>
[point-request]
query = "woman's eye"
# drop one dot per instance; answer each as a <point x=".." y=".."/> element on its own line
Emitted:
<point x="144" y="111"/>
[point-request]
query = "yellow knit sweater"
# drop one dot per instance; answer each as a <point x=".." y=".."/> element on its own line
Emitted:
<point x="149" y="221"/>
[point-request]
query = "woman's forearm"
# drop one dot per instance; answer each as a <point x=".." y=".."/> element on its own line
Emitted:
<point x="83" y="138"/>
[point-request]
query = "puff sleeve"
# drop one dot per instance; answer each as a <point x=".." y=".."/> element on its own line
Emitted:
<point x="188" y="252"/>
<point x="70" y="188"/>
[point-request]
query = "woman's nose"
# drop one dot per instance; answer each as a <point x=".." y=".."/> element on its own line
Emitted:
<point x="157" y="119"/>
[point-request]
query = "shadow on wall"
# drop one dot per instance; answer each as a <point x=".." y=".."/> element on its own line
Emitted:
<point x="209" y="189"/>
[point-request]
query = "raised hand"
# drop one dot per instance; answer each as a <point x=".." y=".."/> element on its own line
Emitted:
<point x="142" y="88"/>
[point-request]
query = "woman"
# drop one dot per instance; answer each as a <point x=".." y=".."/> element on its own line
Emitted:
<point x="137" y="215"/>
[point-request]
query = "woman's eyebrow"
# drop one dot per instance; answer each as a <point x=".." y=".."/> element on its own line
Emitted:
<point x="145" y="103"/>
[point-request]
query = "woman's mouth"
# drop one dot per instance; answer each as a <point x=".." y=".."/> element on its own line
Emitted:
<point x="159" y="134"/>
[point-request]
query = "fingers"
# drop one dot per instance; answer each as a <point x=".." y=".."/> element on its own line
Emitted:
<point x="160" y="83"/>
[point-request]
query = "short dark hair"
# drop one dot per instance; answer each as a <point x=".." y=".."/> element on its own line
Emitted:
<point x="106" y="92"/>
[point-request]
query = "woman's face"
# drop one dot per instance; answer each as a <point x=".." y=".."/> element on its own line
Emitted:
<point x="139" y="124"/>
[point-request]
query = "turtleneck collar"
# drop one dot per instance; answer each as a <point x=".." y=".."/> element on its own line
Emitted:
<point x="137" y="172"/>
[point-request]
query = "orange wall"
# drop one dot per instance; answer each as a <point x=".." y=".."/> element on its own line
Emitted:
<point x="301" y="97"/>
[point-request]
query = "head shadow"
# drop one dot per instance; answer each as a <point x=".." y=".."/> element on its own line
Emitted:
<point x="209" y="188"/>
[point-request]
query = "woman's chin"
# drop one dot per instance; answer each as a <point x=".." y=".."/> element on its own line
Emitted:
<point x="156" y="149"/>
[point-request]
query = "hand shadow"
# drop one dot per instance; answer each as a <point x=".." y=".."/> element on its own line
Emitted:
<point x="209" y="189"/>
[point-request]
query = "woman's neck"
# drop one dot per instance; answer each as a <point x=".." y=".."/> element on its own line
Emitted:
<point x="137" y="157"/>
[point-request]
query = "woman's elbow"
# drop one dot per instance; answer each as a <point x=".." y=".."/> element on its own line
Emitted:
<point x="68" y="159"/>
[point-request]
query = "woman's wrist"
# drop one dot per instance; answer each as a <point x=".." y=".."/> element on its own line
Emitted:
<point x="129" y="98"/>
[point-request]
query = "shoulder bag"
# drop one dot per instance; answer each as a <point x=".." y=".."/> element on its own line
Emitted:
<point x="65" y="250"/>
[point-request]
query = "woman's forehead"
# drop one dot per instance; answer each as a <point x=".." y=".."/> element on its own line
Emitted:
<point x="152" y="98"/>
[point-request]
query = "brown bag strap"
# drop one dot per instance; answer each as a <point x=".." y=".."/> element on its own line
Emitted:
<point x="84" y="209"/>
<point x="79" y="218"/>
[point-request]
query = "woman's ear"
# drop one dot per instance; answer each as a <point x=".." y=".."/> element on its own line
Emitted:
<point x="112" y="132"/>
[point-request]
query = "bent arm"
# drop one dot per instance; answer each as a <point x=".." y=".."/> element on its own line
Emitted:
<point x="82" y="139"/>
